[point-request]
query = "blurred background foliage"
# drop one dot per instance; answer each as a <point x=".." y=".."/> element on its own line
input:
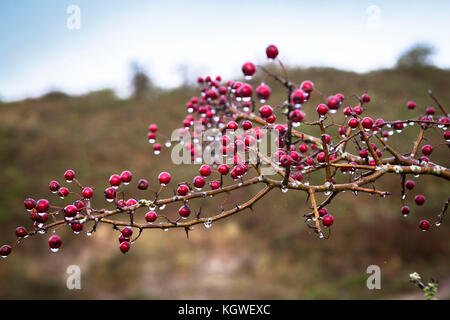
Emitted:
<point x="268" y="253"/>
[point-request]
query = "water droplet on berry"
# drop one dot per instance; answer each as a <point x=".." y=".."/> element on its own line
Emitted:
<point x="162" y="207"/>
<point x="284" y="189"/>
<point x="54" y="249"/>
<point x="208" y="224"/>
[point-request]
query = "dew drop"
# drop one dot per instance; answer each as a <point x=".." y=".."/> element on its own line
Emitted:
<point x="110" y="200"/>
<point x="208" y="224"/>
<point x="157" y="152"/>
<point x="54" y="249"/>
<point x="284" y="190"/>
<point x="162" y="207"/>
<point x="151" y="140"/>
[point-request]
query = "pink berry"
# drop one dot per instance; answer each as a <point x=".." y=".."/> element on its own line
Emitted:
<point x="232" y="125"/>
<point x="215" y="185"/>
<point x="247" y="125"/>
<point x="303" y="148"/>
<point x="153" y="128"/>
<point x="321" y="157"/>
<point x="285" y="161"/>
<point x="298" y="96"/>
<point x="263" y="92"/>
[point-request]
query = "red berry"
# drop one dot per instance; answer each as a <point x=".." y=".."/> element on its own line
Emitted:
<point x="29" y="204"/>
<point x="183" y="190"/>
<point x="127" y="232"/>
<point x="353" y="123"/>
<point x="153" y="128"/>
<point x="363" y="153"/>
<point x="333" y="102"/>
<point x="424" y="225"/>
<point x="245" y="91"/>
<point x="367" y="123"/>
<point x="79" y="204"/>
<point x="298" y="176"/>
<point x="151" y="216"/>
<point x="123" y="239"/>
<point x="271" y="119"/>
<point x="296" y="116"/>
<point x="70" y="211"/>
<point x="76" y="227"/>
<point x="63" y="192"/>
<point x="184" y="211"/>
<point x="247" y="125"/>
<point x="224" y="169"/>
<point x="205" y="170"/>
<point x="110" y="194"/>
<point x="199" y="182"/>
<point x="126" y="176"/>
<point x="430" y="111"/>
<point x="42" y="205"/>
<point x="54" y="242"/>
<point x="321" y="157"/>
<point x="248" y="69"/>
<point x="69" y="175"/>
<point x="265" y="111"/>
<point x="88" y="192"/>
<point x="447" y="135"/>
<point x="323" y="212"/>
<point x="115" y="180"/>
<point x="419" y="199"/>
<point x="307" y="86"/>
<point x="263" y="92"/>
<point x="142" y="184"/>
<point x="303" y="148"/>
<point x="410" y="184"/>
<point x="125" y="247"/>
<point x="405" y="210"/>
<point x="411" y="105"/>
<point x="347" y="111"/>
<point x="327" y="220"/>
<point x="285" y="161"/>
<point x="21" y="232"/>
<point x="249" y="141"/>
<point x="54" y="186"/>
<point x="365" y="98"/>
<point x="164" y="178"/>
<point x="298" y="96"/>
<point x="232" y="125"/>
<point x="215" y="185"/>
<point x="272" y="51"/>
<point x="427" y="150"/>
<point x="5" y="250"/>
<point x="131" y="202"/>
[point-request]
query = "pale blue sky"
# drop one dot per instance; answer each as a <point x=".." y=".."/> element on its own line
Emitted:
<point x="39" y="53"/>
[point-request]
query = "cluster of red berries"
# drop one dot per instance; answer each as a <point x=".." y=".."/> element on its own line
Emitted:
<point x="231" y="107"/>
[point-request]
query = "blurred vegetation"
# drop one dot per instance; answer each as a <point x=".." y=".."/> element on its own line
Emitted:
<point x="418" y="56"/>
<point x="268" y="253"/>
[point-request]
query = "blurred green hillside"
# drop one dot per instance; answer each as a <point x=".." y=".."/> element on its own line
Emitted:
<point x="268" y="253"/>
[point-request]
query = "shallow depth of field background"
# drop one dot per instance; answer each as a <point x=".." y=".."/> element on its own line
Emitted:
<point x="265" y="254"/>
